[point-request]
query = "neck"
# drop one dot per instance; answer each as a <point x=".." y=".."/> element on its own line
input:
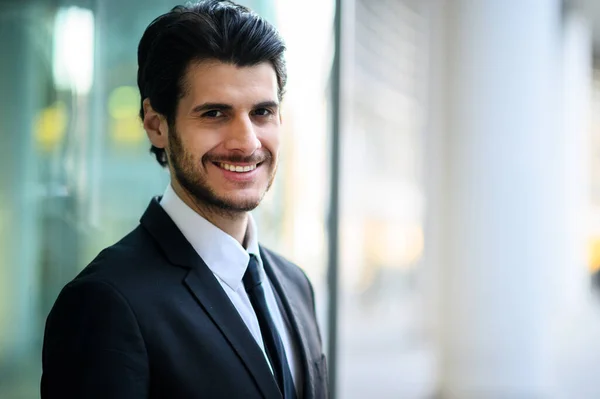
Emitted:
<point x="233" y="223"/>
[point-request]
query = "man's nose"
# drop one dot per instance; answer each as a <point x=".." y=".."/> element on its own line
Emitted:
<point x="242" y="136"/>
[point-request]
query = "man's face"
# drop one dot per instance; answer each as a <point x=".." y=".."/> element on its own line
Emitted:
<point x="223" y="149"/>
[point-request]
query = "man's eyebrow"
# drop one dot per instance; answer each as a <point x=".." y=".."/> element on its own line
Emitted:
<point x="227" y="107"/>
<point x="267" y="104"/>
<point x="210" y="107"/>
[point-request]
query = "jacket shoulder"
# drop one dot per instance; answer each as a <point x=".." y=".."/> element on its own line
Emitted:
<point x="292" y="271"/>
<point x="128" y="253"/>
<point x="284" y="264"/>
<point x="132" y="266"/>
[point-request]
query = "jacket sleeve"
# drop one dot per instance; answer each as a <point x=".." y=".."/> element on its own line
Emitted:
<point x="93" y="347"/>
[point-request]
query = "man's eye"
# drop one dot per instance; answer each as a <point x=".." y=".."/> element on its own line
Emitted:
<point x="262" y="112"/>
<point x="213" y="114"/>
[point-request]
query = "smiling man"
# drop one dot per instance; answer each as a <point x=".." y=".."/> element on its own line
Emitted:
<point x="189" y="305"/>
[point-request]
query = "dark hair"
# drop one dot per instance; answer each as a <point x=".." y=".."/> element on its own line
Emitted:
<point x="210" y="29"/>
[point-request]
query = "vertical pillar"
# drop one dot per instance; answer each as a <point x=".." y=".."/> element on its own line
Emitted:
<point x="577" y="320"/>
<point x="503" y="180"/>
<point x="577" y="83"/>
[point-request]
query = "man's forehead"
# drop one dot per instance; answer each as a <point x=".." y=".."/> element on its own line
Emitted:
<point x="210" y="78"/>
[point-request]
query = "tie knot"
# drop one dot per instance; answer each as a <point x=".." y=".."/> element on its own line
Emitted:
<point x="251" y="277"/>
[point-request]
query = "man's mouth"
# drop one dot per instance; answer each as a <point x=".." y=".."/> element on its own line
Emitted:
<point x="237" y="168"/>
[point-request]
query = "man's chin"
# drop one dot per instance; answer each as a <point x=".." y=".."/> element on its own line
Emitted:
<point x="234" y="201"/>
<point x="234" y="204"/>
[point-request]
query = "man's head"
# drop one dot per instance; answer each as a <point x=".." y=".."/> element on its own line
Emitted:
<point x="211" y="77"/>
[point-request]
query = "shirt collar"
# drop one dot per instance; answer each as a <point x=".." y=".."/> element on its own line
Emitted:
<point x="222" y="253"/>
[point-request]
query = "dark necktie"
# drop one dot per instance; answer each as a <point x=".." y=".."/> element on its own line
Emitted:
<point x="271" y="338"/>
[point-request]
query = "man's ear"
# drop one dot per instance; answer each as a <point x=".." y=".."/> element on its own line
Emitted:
<point x="155" y="125"/>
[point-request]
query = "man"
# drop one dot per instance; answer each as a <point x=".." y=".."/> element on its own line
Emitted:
<point x="188" y="305"/>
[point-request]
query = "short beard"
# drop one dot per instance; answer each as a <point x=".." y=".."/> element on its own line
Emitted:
<point x="183" y="166"/>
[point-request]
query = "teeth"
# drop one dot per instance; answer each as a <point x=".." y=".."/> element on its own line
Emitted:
<point x="238" y="169"/>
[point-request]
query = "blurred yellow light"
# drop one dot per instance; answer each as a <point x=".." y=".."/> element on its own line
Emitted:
<point x="51" y="126"/>
<point x="123" y="106"/>
<point x="123" y="102"/>
<point x="594" y="254"/>
<point x="127" y="131"/>
<point x="393" y="245"/>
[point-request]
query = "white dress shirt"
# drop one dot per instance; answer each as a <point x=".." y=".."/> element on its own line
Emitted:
<point x="228" y="260"/>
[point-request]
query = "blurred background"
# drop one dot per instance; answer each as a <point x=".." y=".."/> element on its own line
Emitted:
<point x="461" y="260"/>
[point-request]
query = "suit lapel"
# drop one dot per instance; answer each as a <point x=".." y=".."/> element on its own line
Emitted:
<point x="204" y="286"/>
<point x="290" y="298"/>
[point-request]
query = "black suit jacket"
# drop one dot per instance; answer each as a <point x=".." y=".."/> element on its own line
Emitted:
<point x="148" y="319"/>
